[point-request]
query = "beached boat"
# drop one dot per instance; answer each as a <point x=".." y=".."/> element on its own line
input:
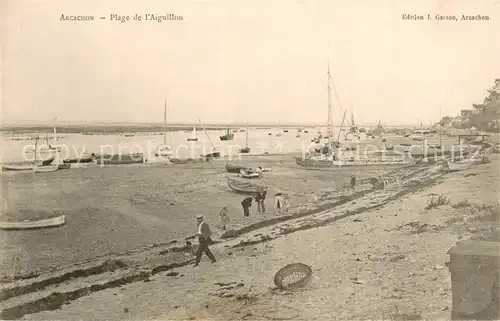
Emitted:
<point x="458" y="166"/>
<point x="231" y="168"/>
<point x="249" y="174"/>
<point x="17" y="167"/>
<point x="227" y="136"/>
<point x="193" y="137"/>
<point x="33" y="224"/>
<point x="83" y="159"/>
<point x="326" y="164"/>
<point x="246" y="149"/>
<point x="242" y="187"/>
<point x="45" y="169"/>
<point x="187" y="160"/>
<point x="164" y="150"/>
<point x="129" y="134"/>
<point x="118" y="159"/>
<point x="64" y="166"/>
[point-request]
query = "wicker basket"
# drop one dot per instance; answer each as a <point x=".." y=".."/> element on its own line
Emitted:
<point x="293" y="276"/>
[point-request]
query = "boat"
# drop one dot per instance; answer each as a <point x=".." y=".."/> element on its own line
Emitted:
<point x="33" y="224"/>
<point x="249" y="174"/>
<point x="118" y="159"/>
<point x="214" y="154"/>
<point x="246" y="149"/>
<point x="164" y="150"/>
<point x="227" y="136"/>
<point x="129" y="134"/>
<point x="306" y="131"/>
<point x="193" y="137"/>
<point x="321" y="164"/>
<point x="242" y="187"/>
<point x="285" y="130"/>
<point x="45" y="169"/>
<point x="48" y="147"/>
<point x="31" y="165"/>
<point x="458" y="166"/>
<point x="231" y="168"/>
<point x="187" y="160"/>
<point x="83" y="159"/>
<point x="17" y="167"/>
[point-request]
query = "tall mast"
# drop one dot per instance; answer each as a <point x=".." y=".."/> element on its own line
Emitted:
<point x="165" y="124"/>
<point x="329" y="128"/>
<point x="246" y="136"/>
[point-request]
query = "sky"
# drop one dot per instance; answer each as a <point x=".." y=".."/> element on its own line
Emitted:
<point x="237" y="61"/>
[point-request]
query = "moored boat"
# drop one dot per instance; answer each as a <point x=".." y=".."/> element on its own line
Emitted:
<point x="227" y="136"/>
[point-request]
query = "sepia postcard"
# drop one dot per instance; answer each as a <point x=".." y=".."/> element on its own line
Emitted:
<point x="250" y="160"/>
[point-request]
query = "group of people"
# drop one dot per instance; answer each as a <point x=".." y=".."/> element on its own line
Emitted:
<point x="204" y="233"/>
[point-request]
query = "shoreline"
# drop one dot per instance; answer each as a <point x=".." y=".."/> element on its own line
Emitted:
<point x="140" y="271"/>
<point x="415" y="263"/>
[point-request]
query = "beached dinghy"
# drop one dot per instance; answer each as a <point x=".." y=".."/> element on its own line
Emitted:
<point x="45" y="169"/>
<point x="231" y="168"/>
<point x="27" y="224"/>
<point x="242" y="187"/>
<point x="249" y="174"/>
<point x="458" y="166"/>
<point x="187" y="160"/>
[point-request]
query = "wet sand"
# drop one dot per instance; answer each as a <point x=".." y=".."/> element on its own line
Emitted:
<point x="117" y="209"/>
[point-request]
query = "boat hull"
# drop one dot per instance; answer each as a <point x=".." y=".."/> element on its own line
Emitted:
<point x="187" y="160"/>
<point x="45" y="169"/>
<point x="44" y="223"/>
<point x="78" y="160"/>
<point x="17" y="167"/>
<point x="331" y="165"/>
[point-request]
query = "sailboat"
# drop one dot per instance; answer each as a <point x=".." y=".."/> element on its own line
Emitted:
<point x="214" y="154"/>
<point x="331" y="154"/>
<point x="164" y="150"/>
<point x="227" y="136"/>
<point x="30" y="165"/>
<point x="48" y="147"/>
<point x="193" y="137"/>
<point x="246" y="149"/>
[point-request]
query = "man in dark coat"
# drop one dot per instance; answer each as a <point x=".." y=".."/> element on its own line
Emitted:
<point x="204" y="237"/>
<point x="260" y="198"/>
<point x="246" y="203"/>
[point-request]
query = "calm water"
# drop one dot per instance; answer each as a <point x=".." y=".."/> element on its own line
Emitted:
<point x="259" y="141"/>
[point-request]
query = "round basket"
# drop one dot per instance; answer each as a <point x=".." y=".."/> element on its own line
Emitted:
<point x="293" y="276"/>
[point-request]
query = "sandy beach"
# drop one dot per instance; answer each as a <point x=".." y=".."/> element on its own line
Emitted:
<point x="381" y="245"/>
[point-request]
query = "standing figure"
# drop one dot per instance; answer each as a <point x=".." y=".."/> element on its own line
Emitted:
<point x="223" y="218"/>
<point x="353" y="181"/>
<point x="278" y="201"/>
<point x="204" y="238"/>
<point x="260" y="198"/>
<point x="246" y="203"/>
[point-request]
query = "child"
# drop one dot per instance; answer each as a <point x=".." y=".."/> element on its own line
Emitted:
<point x="223" y="218"/>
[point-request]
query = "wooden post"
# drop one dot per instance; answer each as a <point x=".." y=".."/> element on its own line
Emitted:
<point x="475" y="271"/>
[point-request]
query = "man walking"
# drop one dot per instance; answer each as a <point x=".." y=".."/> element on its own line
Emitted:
<point x="204" y="238"/>
<point x="246" y="203"/>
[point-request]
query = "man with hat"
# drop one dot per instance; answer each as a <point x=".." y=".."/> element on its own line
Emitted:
<point x="204" y="238"/>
